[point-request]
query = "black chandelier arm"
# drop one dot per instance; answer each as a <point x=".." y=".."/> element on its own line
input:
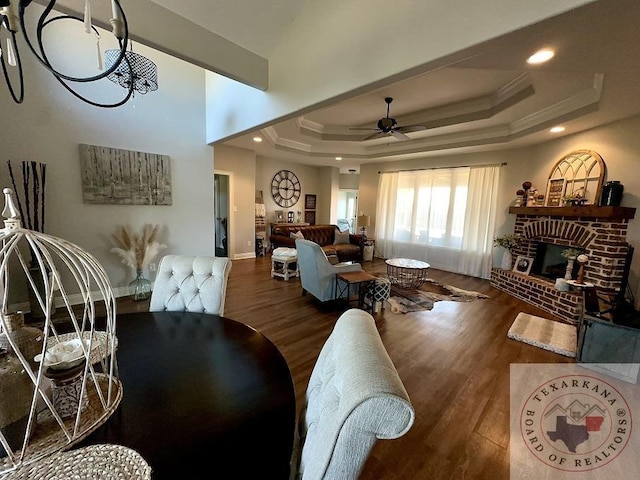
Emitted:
<point x="42" y="57"/>
<point x="97" y="104"/>
<point x="16" y="98"/>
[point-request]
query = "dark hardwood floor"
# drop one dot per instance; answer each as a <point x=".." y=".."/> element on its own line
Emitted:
<point x="453" y="360"/>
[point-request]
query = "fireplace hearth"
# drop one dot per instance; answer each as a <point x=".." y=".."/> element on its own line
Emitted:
<point x="600" y="232"/>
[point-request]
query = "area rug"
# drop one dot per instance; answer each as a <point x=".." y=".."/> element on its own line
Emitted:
<point x="540" y="332"/>
<point x="405" y="300"/>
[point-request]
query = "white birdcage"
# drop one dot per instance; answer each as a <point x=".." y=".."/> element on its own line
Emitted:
<point x="78" y="365"/>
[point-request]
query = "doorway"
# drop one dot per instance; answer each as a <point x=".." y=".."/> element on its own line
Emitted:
<point x="347" y="207"/>
<point x="221" y="202"/>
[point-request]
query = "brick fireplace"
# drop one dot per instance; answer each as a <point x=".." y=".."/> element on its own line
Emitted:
<point x="600" y="231"/>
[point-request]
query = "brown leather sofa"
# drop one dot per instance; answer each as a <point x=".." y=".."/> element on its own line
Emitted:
<point x="323" y="235"/>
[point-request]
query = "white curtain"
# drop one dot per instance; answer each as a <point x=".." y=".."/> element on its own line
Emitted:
<point x="475" y="257"/>
<point x="445" y="217"/>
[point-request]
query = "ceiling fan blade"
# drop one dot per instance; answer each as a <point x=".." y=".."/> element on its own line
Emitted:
<point x="399" y="135"/>
<point x="378" y="134"/>
<point x="363" y="128"/>
<point x="411" y="128"/>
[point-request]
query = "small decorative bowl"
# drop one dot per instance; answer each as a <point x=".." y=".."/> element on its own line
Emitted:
<point x="64" y="355"/>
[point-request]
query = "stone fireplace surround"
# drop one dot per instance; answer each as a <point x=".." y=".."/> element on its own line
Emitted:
<point x="600" y="231"/>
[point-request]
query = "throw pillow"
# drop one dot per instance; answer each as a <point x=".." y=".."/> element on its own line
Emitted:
<point x="341" y="237"/>
<point x="298" y="234"/>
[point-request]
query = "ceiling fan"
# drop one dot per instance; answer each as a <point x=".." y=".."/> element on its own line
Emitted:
<point x="389" y="126"/>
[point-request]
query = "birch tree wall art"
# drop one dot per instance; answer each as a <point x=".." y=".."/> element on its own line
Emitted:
<point x="124" y="177"/>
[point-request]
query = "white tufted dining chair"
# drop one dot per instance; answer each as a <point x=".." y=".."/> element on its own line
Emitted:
<point x="191" y="284"/>
<point x="354" y="398"/>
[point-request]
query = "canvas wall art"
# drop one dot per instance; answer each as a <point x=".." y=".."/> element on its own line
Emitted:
<point x="124" y="177"/>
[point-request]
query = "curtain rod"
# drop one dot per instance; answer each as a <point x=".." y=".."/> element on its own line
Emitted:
<point x="440" y="168"/>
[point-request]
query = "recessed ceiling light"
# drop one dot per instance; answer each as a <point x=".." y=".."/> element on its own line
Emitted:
<point x="541" y="56"/>
<point x="557" y="129"/>
<point x="257" y="139"/>
<point x="338" y="158"/>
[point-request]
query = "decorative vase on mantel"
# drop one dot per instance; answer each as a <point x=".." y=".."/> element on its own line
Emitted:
<point x="507" y="260"/>
<point x="140" y="287"/>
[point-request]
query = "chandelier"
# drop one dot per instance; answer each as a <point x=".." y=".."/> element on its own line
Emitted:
<point x="130" y="70"/>
<point x="136" y="70"/>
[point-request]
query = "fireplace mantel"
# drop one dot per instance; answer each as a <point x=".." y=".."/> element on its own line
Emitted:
<point x="584" y="211"/>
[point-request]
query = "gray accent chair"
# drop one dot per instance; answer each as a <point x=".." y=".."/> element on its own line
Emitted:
<point x="354" y="398"/>
<point x="191" y="284"/>
<point x="317" y="274"/>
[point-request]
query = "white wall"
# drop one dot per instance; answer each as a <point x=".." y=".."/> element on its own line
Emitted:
<point x="51" y="123"/>
<point x="241" y="164"/>
<point x="618" y="143"/>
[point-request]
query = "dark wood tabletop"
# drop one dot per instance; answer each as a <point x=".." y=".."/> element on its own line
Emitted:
<point x="203" y="397"/>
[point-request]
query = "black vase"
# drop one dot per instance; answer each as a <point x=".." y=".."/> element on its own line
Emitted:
<point x="36" y="310"/>
<point x="611" y="194"/>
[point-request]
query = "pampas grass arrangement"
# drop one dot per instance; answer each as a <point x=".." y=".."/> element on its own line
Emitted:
<point x="137" y="251"/>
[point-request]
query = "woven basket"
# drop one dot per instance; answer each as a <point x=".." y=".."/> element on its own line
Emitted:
<point x="104" y="462"/>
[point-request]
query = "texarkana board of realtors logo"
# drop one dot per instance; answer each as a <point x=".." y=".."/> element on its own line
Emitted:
<point x="563" y="425"/>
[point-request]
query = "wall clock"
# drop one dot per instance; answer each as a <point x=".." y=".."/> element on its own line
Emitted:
<point x="285" y="188"/>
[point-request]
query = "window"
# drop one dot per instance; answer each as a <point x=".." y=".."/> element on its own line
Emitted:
<point x="430" y="207"/>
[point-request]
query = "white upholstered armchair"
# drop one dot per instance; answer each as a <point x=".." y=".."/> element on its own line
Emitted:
<point x="317" y="274"/>
<point x="191" y="284"/>
<point x="354" y="398"/>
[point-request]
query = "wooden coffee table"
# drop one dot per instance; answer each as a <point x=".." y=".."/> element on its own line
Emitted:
<point x="406" y="272"/>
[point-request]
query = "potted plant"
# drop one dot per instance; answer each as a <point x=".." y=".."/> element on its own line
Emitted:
<point x="509" y="242"/>
<point x="575" y="198"/>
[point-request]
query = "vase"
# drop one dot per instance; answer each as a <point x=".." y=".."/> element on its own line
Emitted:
<point x="140" y="287"/>
<point x="36" y="311"/>
<point x="568" y="274"/>
<point x="507" y="260"/>
<point x="16" y="392"/>
<point x="28" y="340"/>
<point x="611" y="194"/>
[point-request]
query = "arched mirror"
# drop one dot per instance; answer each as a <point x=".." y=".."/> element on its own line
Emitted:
<point x="576" y="179"/>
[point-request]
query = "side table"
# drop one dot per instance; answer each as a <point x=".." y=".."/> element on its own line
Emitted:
<point x="360" y="280"/>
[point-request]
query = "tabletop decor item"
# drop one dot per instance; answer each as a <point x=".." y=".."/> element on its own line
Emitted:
<point x="509" y="242"/>
<point x="32" y="178"/>
<point x="570" y="254"/>
<point x="611" y="195"/>
<point x="137" y="251"/>
<point x="581" y="259"/>
<point x="27" y="339"/>
<point x="70" y="272"/>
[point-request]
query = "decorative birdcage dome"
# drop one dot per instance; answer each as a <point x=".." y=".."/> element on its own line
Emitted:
<point x="70" y="387"/>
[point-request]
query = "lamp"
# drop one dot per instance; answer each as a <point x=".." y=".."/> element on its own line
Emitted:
<point x="363" y="223"/>
<point x="12" y="17"/>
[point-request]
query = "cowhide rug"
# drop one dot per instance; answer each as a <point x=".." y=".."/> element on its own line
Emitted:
<point x="403" y="300"/>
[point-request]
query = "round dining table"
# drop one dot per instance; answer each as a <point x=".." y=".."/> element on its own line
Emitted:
<point x="204" y="396"/>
